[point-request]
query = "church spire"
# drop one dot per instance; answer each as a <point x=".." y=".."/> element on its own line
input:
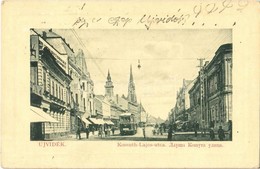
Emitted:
<point x="108" y="76"/>
<point x="109" y="86"/>
<point x="131" y="88"/>
<point x="131" y="74"/>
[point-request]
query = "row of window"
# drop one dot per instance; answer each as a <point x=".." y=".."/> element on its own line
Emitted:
<point x="55" y="88"/>
<point x="84" y="102"/>
<point x="216" y="113"/>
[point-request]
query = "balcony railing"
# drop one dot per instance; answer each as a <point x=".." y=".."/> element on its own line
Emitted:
<point x="36" y="89"/>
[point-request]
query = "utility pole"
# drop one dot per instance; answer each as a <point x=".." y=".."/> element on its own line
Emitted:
<point x="201" y="75"/>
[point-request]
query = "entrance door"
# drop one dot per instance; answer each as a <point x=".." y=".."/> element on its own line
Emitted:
<point x="36" y="131"/>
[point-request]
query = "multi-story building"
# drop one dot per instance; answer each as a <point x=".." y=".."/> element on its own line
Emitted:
<point x="49" y="82"/>
<point x="211" y="94"/>
<point x="195" y="101"/>
<point x="218" y="85"/>
<point x="183" y="101"/>
<point x="82" y="92"/>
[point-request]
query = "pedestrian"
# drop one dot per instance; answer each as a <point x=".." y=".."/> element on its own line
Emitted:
<point x="93" y="130"/>
<point x="113" y="130"/>
<point x="154" y="131"/>
<point x="144" y="132"/>
<point x="196" y="128"/>
<point x="100" y="131"/>
<point x="221" y="134"/>
<point x="211" y="133"/>
<point x="161" y="130"/>
<point x="105" y="131"/>
<point x="108" y="131"/>
<point x="170" y="133"/>
<point x="87" y="132"/>
<point x="78" y="133"/>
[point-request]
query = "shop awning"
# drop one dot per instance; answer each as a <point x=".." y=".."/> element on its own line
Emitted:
<point x="109" y="122"/>
<point x="38" y="115"/>
<point x="96" y="121"/>
<point x="85" y="121"/>
<point x="93" y="120"/>
<point x="101" y="121"/>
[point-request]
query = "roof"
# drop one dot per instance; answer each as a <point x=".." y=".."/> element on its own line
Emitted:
<point x="55" y="40"/>
<point x="120" y="102"/>
<point x="58" y="44"/>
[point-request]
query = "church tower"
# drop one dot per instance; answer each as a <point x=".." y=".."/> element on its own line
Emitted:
<point x="131" y="88"/>
<point x="109" y="86"/>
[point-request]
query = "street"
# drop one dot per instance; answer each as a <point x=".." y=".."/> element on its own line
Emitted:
<point x="179" y="136"/>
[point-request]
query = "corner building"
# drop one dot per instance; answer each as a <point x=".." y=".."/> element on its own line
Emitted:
<point x="49" y="84"/>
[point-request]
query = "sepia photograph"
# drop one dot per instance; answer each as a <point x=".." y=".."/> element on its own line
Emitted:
<point x="134" y="85"/>
<point x="130" y="84"/>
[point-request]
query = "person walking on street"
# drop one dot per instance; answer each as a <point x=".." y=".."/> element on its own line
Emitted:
<point x="196" y="128"/>
<point x="144" y="132"/>
<point x="78" y="133"/>
<point x="87" y="132"/>
<point x="161" y="130"/>
<point x="211" y="134"/>
<point x="100" y="132"/>
<point x="93" y="130"/>
<point x="221" y="134"/>
<point x="113" y="130"/>
<point x="170" y="133"/>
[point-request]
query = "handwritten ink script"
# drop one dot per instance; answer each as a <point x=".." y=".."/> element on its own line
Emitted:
<point x="176" y="17"/>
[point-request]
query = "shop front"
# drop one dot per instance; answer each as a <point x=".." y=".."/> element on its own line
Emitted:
<point x="38" y="118"/>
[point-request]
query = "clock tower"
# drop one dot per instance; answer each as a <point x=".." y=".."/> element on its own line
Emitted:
<point x="109" y="86"/>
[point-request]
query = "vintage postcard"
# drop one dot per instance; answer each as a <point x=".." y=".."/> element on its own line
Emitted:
<point x="130" y="84"/>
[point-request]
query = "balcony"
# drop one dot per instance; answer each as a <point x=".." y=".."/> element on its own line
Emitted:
<point x="36" y="89"/>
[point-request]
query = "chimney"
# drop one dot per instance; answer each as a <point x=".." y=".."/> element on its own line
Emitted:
<point x="117" y="98"/>
<point x="50" y="30"/>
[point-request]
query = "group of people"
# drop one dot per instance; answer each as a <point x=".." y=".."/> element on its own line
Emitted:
<point x="106" y="131"/>
<point x="220" y="132"/>
<point x="158" y="129"/>
<point x="102" y="131"/>
<point x="87" y="130"/>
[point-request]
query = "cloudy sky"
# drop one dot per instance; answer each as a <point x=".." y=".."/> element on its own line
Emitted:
<point x="166" y="57"/>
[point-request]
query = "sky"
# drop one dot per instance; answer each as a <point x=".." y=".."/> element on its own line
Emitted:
<point x="166" y="58"/>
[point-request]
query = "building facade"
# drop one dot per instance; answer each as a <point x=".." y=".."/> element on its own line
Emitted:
<point x="82" y="91"/>
<point x="49" y="82"/>
<point x="211" y="94"/>
<point x="218" y="85"/>
<point x="182" y="105"/>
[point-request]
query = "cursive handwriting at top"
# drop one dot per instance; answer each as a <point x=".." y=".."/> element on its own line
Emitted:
<point x="148" y="20"/>
<point x="118" y="21"/>
<point x="177" y="17"/>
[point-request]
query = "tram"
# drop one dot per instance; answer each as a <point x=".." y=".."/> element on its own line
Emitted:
<point x="127" y="123"/>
